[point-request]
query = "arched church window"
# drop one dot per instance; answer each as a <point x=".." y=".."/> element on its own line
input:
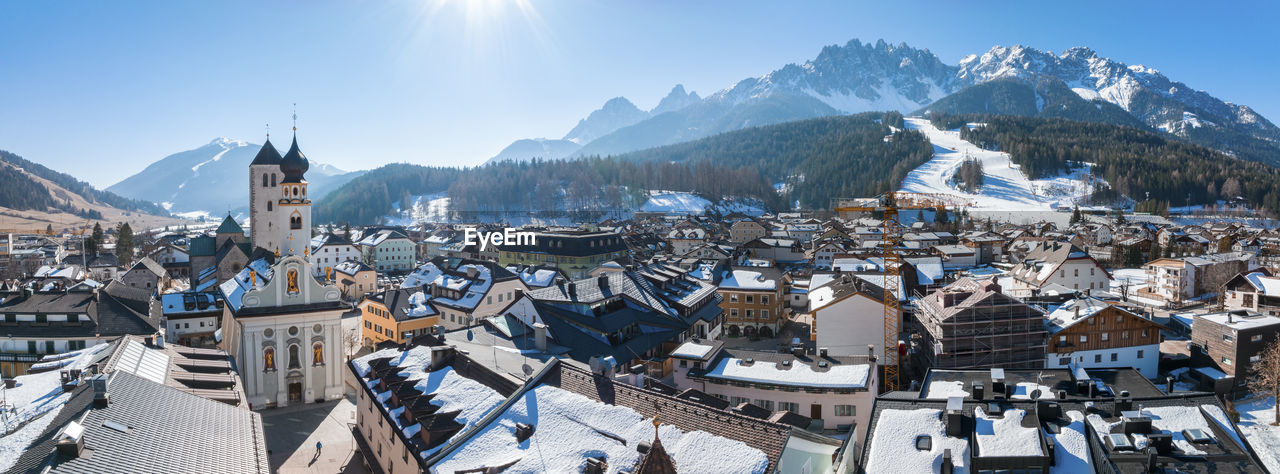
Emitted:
<point x="264" y="180"/>
<point x="273" y="180"/>
<point x="269" y="359"/>
<point x="295" y="221"/>
<point x="268" y="205"/>
<point x="295" y="359"/>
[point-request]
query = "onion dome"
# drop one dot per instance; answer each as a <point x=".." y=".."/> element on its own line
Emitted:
<point x="267" y="155"/>
<point x="294" y="164"/>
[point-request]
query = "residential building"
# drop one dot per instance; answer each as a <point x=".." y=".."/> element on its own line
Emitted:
<point x="752" y="300"/>
<point x="972" y="324"/>
<point x="1179" y="280"/>
<point x="562" y="418"/>
<point x="388" y="250"/>
<point x="684" y="240"/>
<point x="329" y="250"/>
<point x="51" y="322"/>
<point x="146" y="274"/>
<point x="847" y="315"/>
<point x="354" y="279"/>
<point x="396" y="314"/>
<point x="1255" y="291"/>
<point x="1050" y="263"/>
<point x="192" y="318"/>
<point x="1090" y="333"/>
<point x="576" y="253"/>
<point x="746" y="230"/>
<point x="835" y="392"/>
<point x="1232" y="341"/>
<point x="1050" y="421"/>
<point x="465" y="291"/>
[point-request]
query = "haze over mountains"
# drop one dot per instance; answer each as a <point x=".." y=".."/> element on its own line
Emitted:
<point x="858" y="77"/>
<point x="213" y="178"/>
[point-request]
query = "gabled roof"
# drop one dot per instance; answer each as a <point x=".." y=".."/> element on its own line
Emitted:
<point x="229" y="226"/>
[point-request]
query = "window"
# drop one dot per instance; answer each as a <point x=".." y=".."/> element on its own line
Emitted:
<point x="10" y="318"/>
<point x="1064" y="361"/>
<point x="1255" y="359"/>
<point x="295" y="358"/>
<point x="273" y="180"/>
<point x="1084" y="338"/>
<point x="1091" y="273"/>
<point x="388" y="332"/>
<point x="1106" y="337"/>
<point x="1139" y="353"/>
<point x="1077" y="272"/>
<point x="264" y="180"/>
<point x="764" y="299"/>
<point x="268" y="205"/>
<point x="1226" y="360"/>
<point x="1124" y="335"/>
<point x="75" y="318"/>
<point x="733" y="297"/>
<point x="1091" y="321"/>
<point x="1144" y="333"/>
<point x="1097" y="358"/>
<point x="1062" y="339"/>
<point x="733" y="313"/>
<point x="764" y="314"/>
<point x="749" y="315"/>
<point x="846" y="410"/>
<point x="1062" y="273"/>
<point x="750" y="299"/>
<point x="31" y="347"/>
<point x="1227" y="338"/>
<point x="924" y="443"/>
<point x="789" y="406"/>
<point x="1255" y="338"/>
<point x="735" y="401"/>
<point x="1114" y="357"/>
<point x="766" y="404"/>
<point x="42" y="318"/>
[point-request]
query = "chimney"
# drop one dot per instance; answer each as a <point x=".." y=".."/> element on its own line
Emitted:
<point x="573" y="289"/>
<point x="100" y="396"/>
<point x="523" y="432"/>
<point x="71" y="440"/>
<point x="540" y="336"/>
<point x="441" y="356"/>
<point x="1168" y="384"/>
<point x="979" y="392"/>
<point x="948" y="466"/>
<point x="954" y="417"/>
<point x="602" y="281"/>
<point x="822" y="352"/>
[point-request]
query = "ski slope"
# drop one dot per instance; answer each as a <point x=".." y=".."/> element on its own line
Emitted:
<point x="1004" y="187"/>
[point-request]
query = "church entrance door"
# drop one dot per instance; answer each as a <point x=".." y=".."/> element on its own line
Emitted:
<point x="295" y="392"/>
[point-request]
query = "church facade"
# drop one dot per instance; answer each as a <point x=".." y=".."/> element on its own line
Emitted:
<point x="281" y="324"/>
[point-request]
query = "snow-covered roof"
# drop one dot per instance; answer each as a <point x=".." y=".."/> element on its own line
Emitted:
<point x="893" y="448"/>
<point x="233" y="290"/>
<point x="569" y="428"/>
<point x="1073" y="312"/>
<point x="450" y="391"/>
<point x="944" y="389"/>
<point x="1005" y="435"/>
<point x="747" y="280"/>
<point x="1241" y="321"/>
<point x="842" y="376"/>
<point x="692" y="350"/>
<point x="1268" y="285"/>
<point x="37" y="399"/>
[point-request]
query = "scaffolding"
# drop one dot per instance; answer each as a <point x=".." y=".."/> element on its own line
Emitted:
<point x="992" y="330"/>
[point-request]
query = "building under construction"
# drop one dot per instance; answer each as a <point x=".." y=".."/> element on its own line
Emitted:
<point x="971" y="324"/>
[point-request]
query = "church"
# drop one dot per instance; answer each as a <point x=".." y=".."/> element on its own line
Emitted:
<point x="282" y="326"/>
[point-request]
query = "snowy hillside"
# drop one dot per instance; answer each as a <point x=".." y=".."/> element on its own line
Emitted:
<point x="1005" y="186"/>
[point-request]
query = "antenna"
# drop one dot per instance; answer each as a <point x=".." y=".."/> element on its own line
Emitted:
<point x="295" y="118"/>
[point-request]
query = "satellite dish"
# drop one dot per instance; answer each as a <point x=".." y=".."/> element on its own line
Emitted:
<point x="1035" y="394"/>
<point x="527" y="369"/>
<point x="470" y="336"/>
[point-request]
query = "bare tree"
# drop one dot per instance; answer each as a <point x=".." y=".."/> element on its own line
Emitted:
<point x="1264" y="375"/>
<point x="351" y="341"/>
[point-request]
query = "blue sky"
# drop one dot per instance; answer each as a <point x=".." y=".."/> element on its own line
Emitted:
<point x="101" y="89"/>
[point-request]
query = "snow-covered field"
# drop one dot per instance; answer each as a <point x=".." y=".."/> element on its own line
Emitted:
<point x="671" y="202"/>
<point x="1255" y="423"/>
<point x="1004" y="187"/>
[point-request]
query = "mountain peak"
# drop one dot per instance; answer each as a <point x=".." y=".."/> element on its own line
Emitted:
<point x="675" y="100"/>
<point x="227" y="142"/>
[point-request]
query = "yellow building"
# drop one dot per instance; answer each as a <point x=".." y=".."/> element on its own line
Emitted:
<point x="390" y="314"/>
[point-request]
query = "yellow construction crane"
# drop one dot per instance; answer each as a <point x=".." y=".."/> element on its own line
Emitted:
<point x="890" y="241"/>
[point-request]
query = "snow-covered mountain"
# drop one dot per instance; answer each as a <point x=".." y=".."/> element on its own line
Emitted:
<point x="859" y="77"/>
<point x="1143" y="92"/>
<point x="616" y="113"/>
<point x="213" y="178"/>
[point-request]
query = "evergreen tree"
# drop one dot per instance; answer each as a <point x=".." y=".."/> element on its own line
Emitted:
<point x="1075" y="216"/>
<point x="124" y="244"/>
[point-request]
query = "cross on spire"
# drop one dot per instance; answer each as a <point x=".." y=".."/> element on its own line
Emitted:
<point x="295" y="118"/>
<point x="268" y="130"/>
